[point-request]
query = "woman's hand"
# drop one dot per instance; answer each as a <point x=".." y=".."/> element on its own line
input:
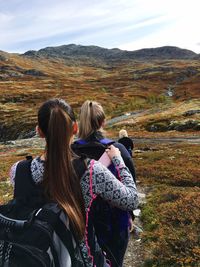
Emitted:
<point x="112" y="151"/>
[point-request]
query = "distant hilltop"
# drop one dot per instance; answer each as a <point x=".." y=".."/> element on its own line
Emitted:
<point x="79" y="52"/>
<point x="124" y="81"/>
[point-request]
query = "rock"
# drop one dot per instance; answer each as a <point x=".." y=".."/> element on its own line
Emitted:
<point x="191" y="112"/>
<point x="33" y="72"/>
<point x="142" y="198"/>
<point x="137" y="212"/>
<point x="137" y="151"/>
<point x="26" y="135"/>
<point x="9" y="143"/>
<point x="166" y="125"/>
<point x="146" y="149"/>
<point x="159" y="126"/>
<point x="29" y="142"/>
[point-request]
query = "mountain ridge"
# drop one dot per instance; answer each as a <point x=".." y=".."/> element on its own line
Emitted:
<point x="72" y="51"/>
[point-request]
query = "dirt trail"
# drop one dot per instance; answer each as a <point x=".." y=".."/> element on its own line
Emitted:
<point x="191" y="140"/>
<point x="134" y="254"/>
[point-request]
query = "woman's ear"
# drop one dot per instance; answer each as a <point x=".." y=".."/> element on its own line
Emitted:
<point x="39" y="132"/>
<point x="75" y="128"/>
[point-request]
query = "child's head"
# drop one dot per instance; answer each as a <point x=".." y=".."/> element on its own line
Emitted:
<point x="92" y="117"/>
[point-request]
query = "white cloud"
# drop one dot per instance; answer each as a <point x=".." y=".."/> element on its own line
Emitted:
<point x="127" y="24"/>
<point x="5" y="18"/>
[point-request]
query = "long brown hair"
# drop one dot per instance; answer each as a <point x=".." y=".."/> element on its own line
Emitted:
<point x="91" y="118"/>
<point x="55" y="119"/>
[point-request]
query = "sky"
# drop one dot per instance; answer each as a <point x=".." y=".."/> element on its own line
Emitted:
<point x="125" y="24"/>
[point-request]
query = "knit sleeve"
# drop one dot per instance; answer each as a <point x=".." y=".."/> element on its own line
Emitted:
<point x="13" y="173"/>
<point x="122" y="194"/>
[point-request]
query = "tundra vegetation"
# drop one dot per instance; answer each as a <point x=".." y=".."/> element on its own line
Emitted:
<point x="171" y="218"/>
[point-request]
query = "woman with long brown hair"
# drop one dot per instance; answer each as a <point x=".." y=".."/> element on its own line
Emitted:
<point x="54" y="171"/>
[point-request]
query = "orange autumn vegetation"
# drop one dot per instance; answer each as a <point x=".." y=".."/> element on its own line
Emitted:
<point x="171" y="216"/>
<point x="120" y="87"/>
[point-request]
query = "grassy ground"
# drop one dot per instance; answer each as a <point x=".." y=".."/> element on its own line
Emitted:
<point x="171" y="216"/>
<point x="170" y="174"/>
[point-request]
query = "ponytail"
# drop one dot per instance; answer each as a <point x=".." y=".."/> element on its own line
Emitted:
<point x="60" y="182"/>
<point x="91" y="118"/>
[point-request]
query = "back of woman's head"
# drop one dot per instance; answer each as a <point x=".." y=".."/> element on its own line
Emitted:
<point x="123" y="133"/>
<point x="56" y="120"/>
<point x="92" y="117"/>
<point x="51" y="113"/>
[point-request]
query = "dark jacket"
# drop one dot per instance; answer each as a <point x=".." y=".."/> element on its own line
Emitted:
<point x="128" y="143"/>
<point x="90" y="150"/>
<point x="111" y="224"/>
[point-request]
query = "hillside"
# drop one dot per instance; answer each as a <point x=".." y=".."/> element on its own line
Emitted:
<point x="122" y="81"/>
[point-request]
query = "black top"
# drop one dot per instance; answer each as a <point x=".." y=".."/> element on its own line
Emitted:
<point x="25" y="188"/>
<point x="127" y="142"/>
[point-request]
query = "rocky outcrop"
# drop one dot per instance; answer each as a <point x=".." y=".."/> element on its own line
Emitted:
<point x="191" y="112"/>
<point x="9" y="71"/>
<point x="166" y="125"/>
<point x="15" y="132"/>
<point x="33" y="72"/>
<point x="3" y="56"/>
<point x="178" y="74"/>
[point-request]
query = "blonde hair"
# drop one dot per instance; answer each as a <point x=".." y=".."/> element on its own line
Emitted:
<point x="123" y="133"/>
<point x="91" y="118"/>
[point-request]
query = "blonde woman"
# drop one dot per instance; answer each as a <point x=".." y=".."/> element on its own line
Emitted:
<point x="111" y="224"/>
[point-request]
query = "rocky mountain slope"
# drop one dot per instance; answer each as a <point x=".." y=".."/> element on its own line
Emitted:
<point x="78" y="52"/>
<point x="123" y="81"/>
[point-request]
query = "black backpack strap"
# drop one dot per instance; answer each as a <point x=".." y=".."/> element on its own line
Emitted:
<point x="50" y="213"/>
<point x="26" y="189"/>
<point x="66" y="236"/>
<point x="23" y="179"/>
<point x="80" y="166"/>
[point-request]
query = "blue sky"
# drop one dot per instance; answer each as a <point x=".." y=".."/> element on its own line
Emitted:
<point x="125" y="24"/>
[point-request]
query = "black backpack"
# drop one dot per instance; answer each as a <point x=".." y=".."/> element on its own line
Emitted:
<point x="111" y="224"/>
<point x="31" y="230"/>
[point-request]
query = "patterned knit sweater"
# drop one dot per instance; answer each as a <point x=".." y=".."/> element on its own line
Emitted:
<point x="96" y="181"/>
